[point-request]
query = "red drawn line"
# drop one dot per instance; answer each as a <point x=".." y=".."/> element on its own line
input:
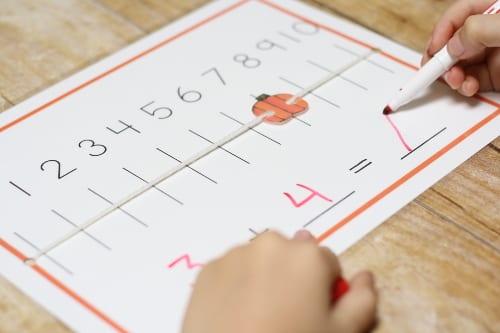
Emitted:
<point x="186" y="258"/>
<point x="308" y="198"/>
<point x="49" y="277"/>
<point x="407" y="176"/>
<point x="398" y="133"/>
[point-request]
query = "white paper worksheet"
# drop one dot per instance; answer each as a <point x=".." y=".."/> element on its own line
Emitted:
<point x="105" y="186"/>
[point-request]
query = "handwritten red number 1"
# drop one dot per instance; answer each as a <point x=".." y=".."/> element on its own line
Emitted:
<point x="313" y="194"/>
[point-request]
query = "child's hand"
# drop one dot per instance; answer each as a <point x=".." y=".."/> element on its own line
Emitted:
<point x="475" y="40"/>
<point x="275" y="285"/>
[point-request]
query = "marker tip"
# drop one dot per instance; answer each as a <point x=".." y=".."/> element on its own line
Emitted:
<point x="387" y="110"/>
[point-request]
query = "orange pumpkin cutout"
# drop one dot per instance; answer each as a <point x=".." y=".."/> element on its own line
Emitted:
<point x="278" y="104"/>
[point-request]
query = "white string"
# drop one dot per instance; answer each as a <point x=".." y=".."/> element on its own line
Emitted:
<point x="231" y="136"/>
<point x="329" y="77"/>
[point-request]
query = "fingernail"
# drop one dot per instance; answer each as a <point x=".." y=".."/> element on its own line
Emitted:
<point x="455" y="46"/>
<point x="303" y="235"/>
<point x="446" y="76"/>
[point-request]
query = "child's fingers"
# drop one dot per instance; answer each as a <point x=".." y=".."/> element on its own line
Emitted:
<point x="479" y="32"/>
<point x="355" y="311"/>
<point x="303" y="235"/>
<point x="451" y="20"/>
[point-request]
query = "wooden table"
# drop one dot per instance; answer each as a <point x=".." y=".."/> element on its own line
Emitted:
<point x="437" y="261"/>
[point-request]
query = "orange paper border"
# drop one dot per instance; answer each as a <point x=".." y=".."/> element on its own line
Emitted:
<point x="58" y="284"/>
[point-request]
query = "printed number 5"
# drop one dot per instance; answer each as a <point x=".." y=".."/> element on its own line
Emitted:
<point x="161" y="112"/>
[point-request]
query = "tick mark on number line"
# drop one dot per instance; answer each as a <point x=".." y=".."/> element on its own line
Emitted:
<point x="146" y="187"/>
<point x="292" y="38"/>
<point x="81" y="230"/>
<point x="119" y="208"/>
<point x="187" y="166"/>
<point x="423" y="143"/>
<point x="256" y="233"/>
<point x="354" y="83"/>
<point x="328" y="209"/>
<point x="310" y="92"/>
<point x="387" y="69"/>
<point x="227" y="151"/>
<point x="340" y="76"/>
<point x="57" y="263"/>
<point x="302" y="121"/>
<point x="252" y="129"/>
<point x="20" y="188"/>
<point x="155" y="187"/>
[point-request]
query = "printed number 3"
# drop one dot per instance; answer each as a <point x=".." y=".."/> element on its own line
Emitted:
<point x="100" y="149"/>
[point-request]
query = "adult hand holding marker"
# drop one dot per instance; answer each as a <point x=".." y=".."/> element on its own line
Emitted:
<point x="464" y="48"/>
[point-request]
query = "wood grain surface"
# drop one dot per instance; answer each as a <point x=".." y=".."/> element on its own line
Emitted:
<point x="437" y="261"/>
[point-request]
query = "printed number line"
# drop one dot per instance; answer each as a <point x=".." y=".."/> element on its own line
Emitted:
<point x="331" y="75"/>
<point x="187" y="166"/>
<point x="114" y="206"/>
<point x="97" y="240"/>
<point x="155" y="187"/>
<point x="57" y="263"/>
<point x="204" y="152"/>
<point x="253" y="129"/>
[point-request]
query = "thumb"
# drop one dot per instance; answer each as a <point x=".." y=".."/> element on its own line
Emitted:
<point x="356" y="310"/>
<point x="478" y="33"/>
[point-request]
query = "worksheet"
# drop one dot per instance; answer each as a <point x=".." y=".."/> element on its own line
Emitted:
<point x="119" y="183"/>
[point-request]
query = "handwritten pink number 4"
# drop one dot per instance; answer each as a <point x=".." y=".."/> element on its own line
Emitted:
<point x="313" y="193"/>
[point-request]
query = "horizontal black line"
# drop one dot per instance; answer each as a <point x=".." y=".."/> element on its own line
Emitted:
<point x="328" y="209"/>
<point x="423" y="143"/>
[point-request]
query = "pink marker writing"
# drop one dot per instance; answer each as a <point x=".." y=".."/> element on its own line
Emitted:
<point x="434" y="68"/>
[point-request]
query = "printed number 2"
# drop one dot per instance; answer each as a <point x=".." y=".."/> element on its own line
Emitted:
<point x="60" y="173"/>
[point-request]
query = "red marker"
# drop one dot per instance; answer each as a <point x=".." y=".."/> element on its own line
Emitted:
<point x="339" y="288"/>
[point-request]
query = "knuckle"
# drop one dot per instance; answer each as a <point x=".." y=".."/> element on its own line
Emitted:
<point x="473" y="28"/>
